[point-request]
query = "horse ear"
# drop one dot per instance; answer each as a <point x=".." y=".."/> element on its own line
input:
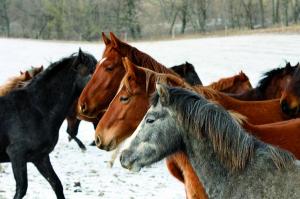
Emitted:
<point x="27" y="75"/>
<point x="288" y="65"/>
<point x="129" y="66"/>
<point x="117" y="43"/>
<point x="21" y="72"/>
<point x="105" y="39"/>
<point x="163" y="93"/>
<point x="80" y="55"/>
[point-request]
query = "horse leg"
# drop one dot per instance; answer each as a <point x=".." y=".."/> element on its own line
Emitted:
<point x="174" y="169"/>
<point x="72" y="130"/>
<point x="45" y="168"/>
<point x="19" y="167"/>
<point x="95" y="123"/>
<point x="193" y="187"/>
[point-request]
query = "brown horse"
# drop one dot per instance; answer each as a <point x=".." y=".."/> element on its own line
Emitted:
<point x="290" y="99"/>
<point x="122" y="117"/>
<point x="269" y="87"/>
<point x="236" y="84"/>
<point x="19" y="81"/>
<point x="177" y="164"/>
<point x="284" y="134"/>
<point x="109" y="72"/>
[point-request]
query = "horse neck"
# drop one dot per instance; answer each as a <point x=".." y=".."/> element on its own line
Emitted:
<point x="251" y="95"/>
<point x="53" y="96"/>
<point x="212" y="173"/>
<point x="144" y="60"/>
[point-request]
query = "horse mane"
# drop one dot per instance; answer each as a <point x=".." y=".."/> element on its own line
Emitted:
<point x="269" y="75"/>
<point x="232" y="144"/>
<point x="165" y="78"/>
<point x="142" y="59"/>
<point x="11" y="84"/>
<point x="63" y="63"/>
<point x="229" y="82"/>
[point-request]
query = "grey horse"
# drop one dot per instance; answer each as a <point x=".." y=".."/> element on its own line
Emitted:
<point x="230" y="162"/>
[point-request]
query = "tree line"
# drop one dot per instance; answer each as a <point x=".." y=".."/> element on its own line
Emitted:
<point x="86" y="19"/>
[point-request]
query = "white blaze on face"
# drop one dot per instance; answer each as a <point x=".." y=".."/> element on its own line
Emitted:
<point x="102" y="60"/>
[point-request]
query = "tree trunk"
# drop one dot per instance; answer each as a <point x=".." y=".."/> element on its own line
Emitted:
<point x="262" y="13"/>
<point x="173" y="22"/>
<point x="4" y="16"/>
<point x="286" y="16"/>
<point x="184" y="12"/>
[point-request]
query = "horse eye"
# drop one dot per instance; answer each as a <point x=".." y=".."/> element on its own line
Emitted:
<point x="110" y="68"/>
<point x="150" y="120"/>
<point x="124" y="99"/>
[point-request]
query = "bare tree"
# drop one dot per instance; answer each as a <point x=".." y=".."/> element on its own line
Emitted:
<point x="248" y="7"/>
<point x="296" y="10"/>
<point x="262" y="13"/>
<point x="4" y="6"/>
<point x="184" y="15"/>
<point x="286" y="17"/>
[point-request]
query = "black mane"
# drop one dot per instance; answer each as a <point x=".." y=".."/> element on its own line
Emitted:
<point x="65" y="62"/>
<point x="269" y="75"/>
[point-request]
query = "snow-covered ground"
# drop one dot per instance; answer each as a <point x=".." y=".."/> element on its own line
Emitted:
<point x="213" y="58"/>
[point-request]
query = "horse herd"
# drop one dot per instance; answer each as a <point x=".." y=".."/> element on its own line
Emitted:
<point x="224" y="140"/>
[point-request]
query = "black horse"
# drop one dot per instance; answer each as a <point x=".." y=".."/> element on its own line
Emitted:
<point x="187" y="71"/>
<point x="30" y="118"/>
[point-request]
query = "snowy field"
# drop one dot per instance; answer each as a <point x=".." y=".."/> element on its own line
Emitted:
<point x="213" y="58"/>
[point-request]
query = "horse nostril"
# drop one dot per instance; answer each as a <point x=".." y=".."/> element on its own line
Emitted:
<point x="285" y="106"/>
<point x="98" y="141"/>
<point x="83" y="107"/>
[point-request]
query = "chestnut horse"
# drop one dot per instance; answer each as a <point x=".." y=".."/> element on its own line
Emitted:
<point x="106" y="79"/>
<point x="19" y="81"/>
<point x="236" y="84"/>
<point x="271" y="86"/>
<point x="109" y="72"/>
<point x="285" y="134"/>
<point x="121" y="118"/>
<point x="290" y="99"/>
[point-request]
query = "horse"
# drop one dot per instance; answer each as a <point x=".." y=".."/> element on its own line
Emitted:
<point x="187" y="71"/>
<point x="122" y="117"/>
<point x="19" y="81"/>
<point x="290" y="99"/>
<point x="31" y="117"/>
<point x="270" y="86"/>
<point x="230" y="162"/>
<point x="109" y="72"/>
<point x="236" y="84"/>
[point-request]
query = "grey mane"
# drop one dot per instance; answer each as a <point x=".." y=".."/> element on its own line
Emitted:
<point x="232" y="144"/>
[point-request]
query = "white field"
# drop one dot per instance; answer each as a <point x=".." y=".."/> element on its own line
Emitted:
<point x="213" y="58"/>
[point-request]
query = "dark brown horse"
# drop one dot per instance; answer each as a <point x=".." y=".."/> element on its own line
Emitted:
<point x="271" y="86"/>
<point x="187" y="71"/>
<point x="290" y="99"/>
